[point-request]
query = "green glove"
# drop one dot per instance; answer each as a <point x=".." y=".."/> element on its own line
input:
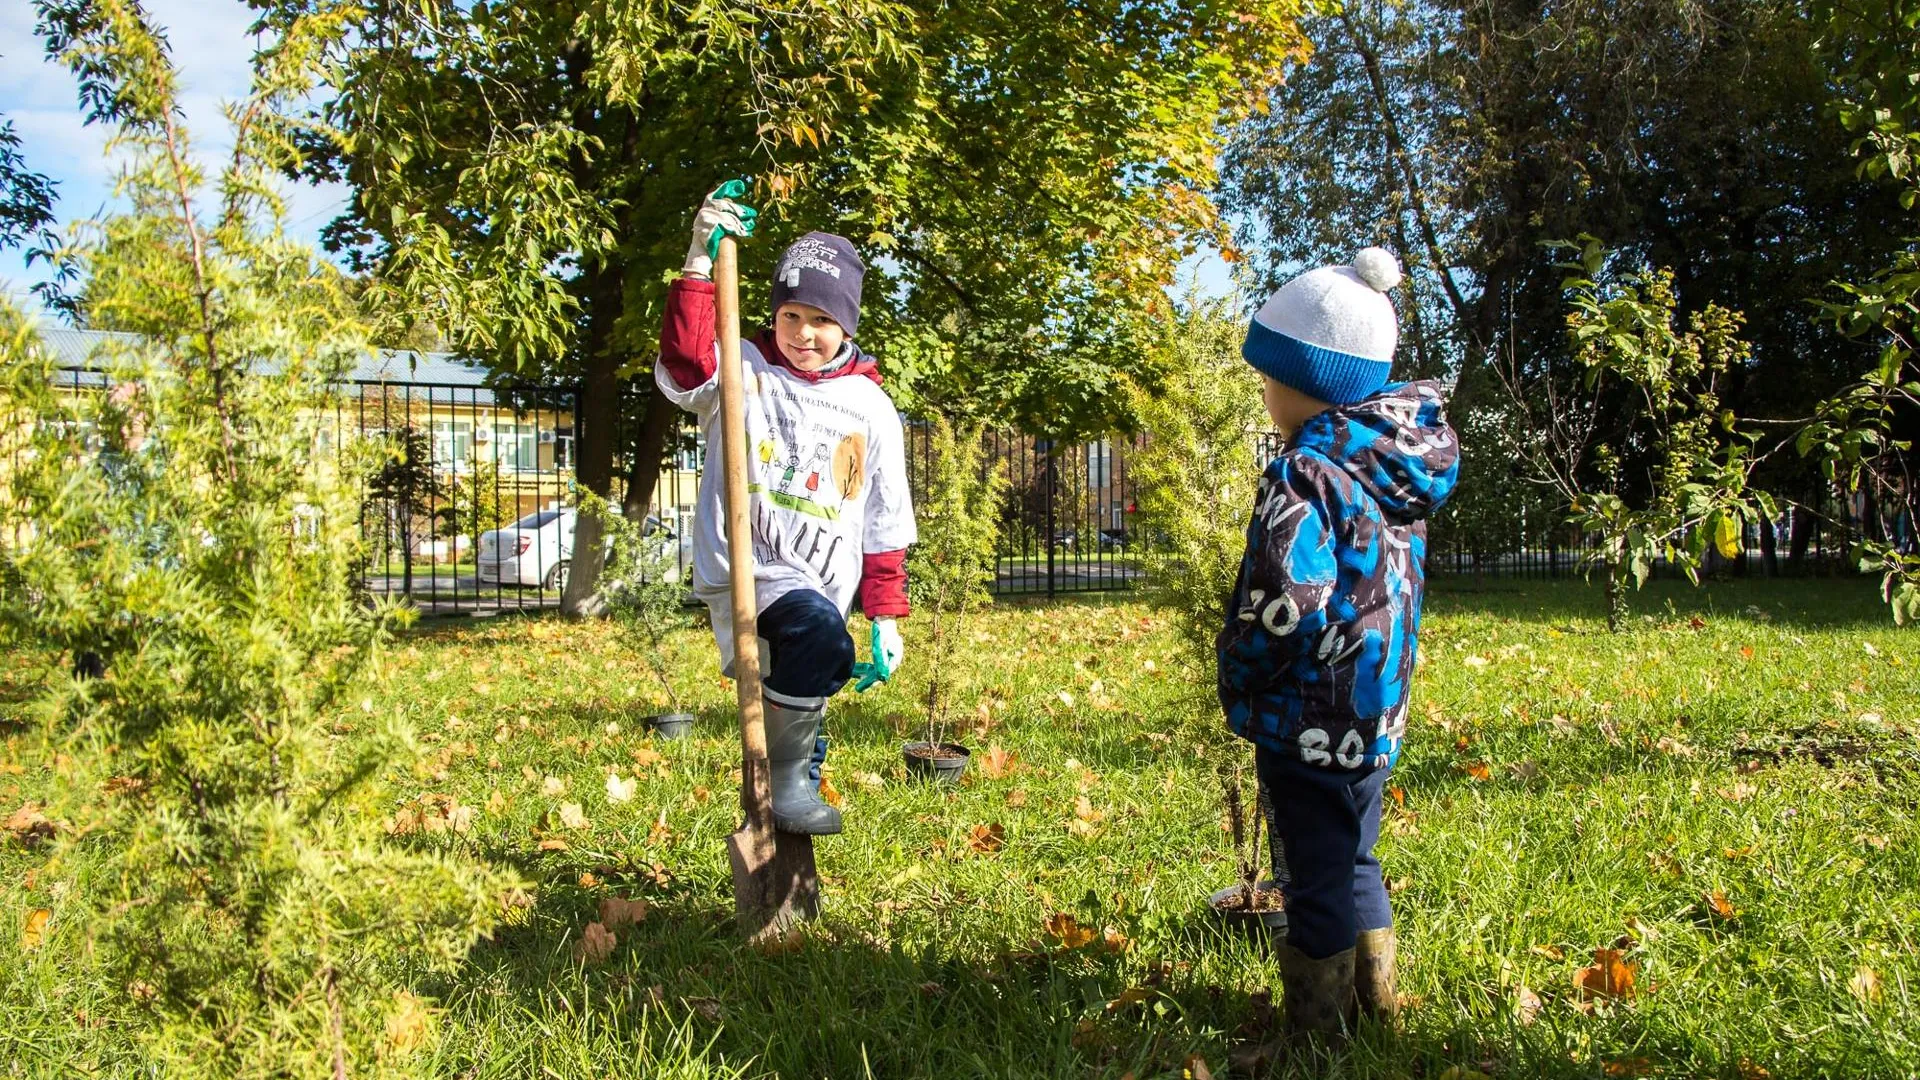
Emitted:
<point x="870" y="673"/>
<point x="720" y="213"/>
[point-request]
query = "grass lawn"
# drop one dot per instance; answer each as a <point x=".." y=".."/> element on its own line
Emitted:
<point x="1726" y="794"/>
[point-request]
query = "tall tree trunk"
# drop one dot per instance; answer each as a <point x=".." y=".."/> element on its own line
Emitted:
<point x="649" y="447"/>
<point x="1769" y="549"/>
<point x="1800" y="539"/>
<point x="598" y="414"/>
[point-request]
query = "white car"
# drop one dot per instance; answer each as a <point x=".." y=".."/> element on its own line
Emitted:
<point x="537" y="549"/>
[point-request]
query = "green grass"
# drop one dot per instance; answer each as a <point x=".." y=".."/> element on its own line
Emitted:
<point x="1565" y="790"/>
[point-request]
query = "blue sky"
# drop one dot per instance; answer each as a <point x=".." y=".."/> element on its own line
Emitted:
<point x="212" y="50"/>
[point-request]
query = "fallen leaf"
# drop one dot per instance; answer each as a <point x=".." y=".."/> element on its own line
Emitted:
<point x="409" y="1023"/>
<point x="646" y="756"/>
<point x="1738" y="852"/>
<point x="1083" y="809"/>
<point x="589" y="881"/>
<point x="553" y="785"/>
<point x="34" y="933"/>
<point x="1524" y="771"/>
<point x="660" y="832"/>
<point x="997" y="762"/>
<point x="1865" y="984"/>
<point x="573" y="817"/>
<point x="1697" y="623"/>
<point x="617" y="913"/>
<point x="1478" y="770"/>
<point x="1720" y="906"/>
<point x="1551" y="952"/>
<point x="1399" y="794"/>
<point x="595" y="945"/>
<point x="553" y="843"/>
<point x="1476" y="661"/>
<point x="1608" y="977"/>
<point x="618" y="790"/>
<point x="496" y="802"/>
<point x="830" y="794"/>
<point x="29" y="826"/>
<point x="1196" y="1068"/>
<point x="1747" y="1070"/>
<point x="708" y="1008"/>
<point x="1132" y="995"/>
<point x="872" y="781"/>
<point x="1114" y="941"/>
<point x="987" y="839"/>
<point x="1746" y="652"/>
<point x="1638" y="1066"/>
<point x="1017" y="798"/>
<point x="1526" y="1005"/>
<point x="1066" y="930"/>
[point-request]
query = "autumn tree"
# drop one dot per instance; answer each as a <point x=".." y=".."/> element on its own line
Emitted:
<point x="1022" y="179"/>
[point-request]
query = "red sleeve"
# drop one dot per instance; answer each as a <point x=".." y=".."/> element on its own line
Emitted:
<point x="883" y="584"/>
<point x="687" y="335"/>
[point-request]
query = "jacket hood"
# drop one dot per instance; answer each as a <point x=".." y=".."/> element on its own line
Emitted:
<point x="861" y="363"/>
<point x="1396" y="445"/>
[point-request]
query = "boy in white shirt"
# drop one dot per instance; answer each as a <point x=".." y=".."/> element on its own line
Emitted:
<point x="832" y="516"/>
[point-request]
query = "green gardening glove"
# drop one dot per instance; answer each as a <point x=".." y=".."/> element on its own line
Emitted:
<point x="721" y="213"/>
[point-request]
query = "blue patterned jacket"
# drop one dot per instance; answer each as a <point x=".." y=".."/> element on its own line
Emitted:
<point x="1319" y="643"/>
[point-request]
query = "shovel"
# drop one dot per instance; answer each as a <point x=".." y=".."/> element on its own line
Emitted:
<point x="775" y="883"/>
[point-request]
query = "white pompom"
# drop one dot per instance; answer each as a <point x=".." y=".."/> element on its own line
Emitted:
<point x="1378" y="268"/>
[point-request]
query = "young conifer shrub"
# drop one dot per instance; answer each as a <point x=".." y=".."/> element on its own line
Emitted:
<point x="179" y="514"/>
<point x="950" y="571"/>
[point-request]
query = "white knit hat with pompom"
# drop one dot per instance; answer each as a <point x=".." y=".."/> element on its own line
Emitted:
<point x="1330" y="333"/>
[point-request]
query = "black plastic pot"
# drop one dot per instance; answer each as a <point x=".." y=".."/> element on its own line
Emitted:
<point x="677" y="725"/>
<point x="945" y="769"/>
<point x="1256" y="924"/>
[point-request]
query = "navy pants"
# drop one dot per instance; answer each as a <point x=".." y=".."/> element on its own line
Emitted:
<point x="810" y="653"/>
<point x="1325" y="823"/>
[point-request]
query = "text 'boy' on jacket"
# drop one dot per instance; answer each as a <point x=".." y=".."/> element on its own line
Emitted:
<point x="1321" y="629"/>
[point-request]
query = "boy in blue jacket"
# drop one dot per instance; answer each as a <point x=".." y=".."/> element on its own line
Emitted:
<point x="1318" y="647"/>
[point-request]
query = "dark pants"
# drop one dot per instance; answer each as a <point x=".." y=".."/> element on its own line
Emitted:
<point x="1325" y="823"/>
<point x="810" y="652"/>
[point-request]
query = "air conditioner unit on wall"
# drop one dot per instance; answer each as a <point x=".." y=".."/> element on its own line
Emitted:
<point x="483" y="434"/>
<point x="546" y="437"/>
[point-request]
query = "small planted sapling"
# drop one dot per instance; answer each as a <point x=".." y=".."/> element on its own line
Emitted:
<point x="643" y="597"/>
<point x="950" y="570"/>
<point x="1248" y="904"/>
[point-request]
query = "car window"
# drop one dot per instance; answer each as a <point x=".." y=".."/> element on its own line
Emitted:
<point x="536" y="519"/>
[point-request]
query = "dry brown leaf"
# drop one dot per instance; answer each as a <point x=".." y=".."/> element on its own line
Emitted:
<point x="646" y="756"/>
<point x="589" y="881"/>
<point x="1865" y="984"/>
<point x="553" y="843"/>
<point x="708" y="1008"/>
<point x="1608" y="977"/>
<point x="496" y="802"/>
<point x="987" y="839"/>
<point x="1738" y="852"/>
<point x="1017" y="798"/>
<point x="1114" y="941"/>
<point x="1747" y="1070"/>
<point x="619" y="790"/>
<point x="34" y="933"/>
<point x="552" y="785"/>
<point x="1719" y="906"/>
<point x="29" y="826"/>
<point x="872" y="781"/>
<point x="1526" y="1005"/>
<point x="660" y="832"/>
<point x="1066" y="930"/>
<point x="1637" y="1066"/>
<point x="1746" y="652"/>
<point x="1551" y="952"/>
<point x="617" y="913"/>
<point x="1196" y="1068"/>
<point x="830" y="794"/>
<point x="1665" y="863"/>
<point x="595" y="945"/>
<point x="1478" y="770"/>
<point x="573" y="817"/>
<point x="1083" y="809"/>
<point x="1399" y="795"/>
<point x="998" y="762"/>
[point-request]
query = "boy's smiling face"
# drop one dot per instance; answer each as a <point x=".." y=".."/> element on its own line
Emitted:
<point x="808" y="337"/>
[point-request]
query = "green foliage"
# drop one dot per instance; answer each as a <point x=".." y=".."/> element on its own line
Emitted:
<point x="402" y="490"/>
<point x="479" y="504"/>
<point x="174" y="519"/>
<point x="26" y="197"/>
<point x="1861" y="435"/>
<point x="1622" y="328"/>
<point x="643" y="595"/>
<point x="1195" y="475"/>
<point x="951" y="568"/>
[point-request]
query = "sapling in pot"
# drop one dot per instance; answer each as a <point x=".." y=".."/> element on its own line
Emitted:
<point x="949" y="571"/>
<point x="1248" y="904"/>
<point x="642" y="596"/>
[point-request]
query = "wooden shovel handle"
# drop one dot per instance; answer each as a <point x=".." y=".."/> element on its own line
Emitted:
<point x="756" y="794"/>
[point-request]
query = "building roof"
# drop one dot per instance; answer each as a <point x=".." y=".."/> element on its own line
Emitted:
<point x="78" y="348"/>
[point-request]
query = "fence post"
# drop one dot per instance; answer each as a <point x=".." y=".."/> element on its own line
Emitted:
<point x="1052" y="476"/>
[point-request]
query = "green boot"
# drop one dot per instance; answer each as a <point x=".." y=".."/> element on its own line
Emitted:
<point x="1375" y="987"/>
<point x="1317" y="994"/>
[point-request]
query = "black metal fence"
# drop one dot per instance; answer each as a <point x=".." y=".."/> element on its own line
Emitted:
<point x="477" y="512"/>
